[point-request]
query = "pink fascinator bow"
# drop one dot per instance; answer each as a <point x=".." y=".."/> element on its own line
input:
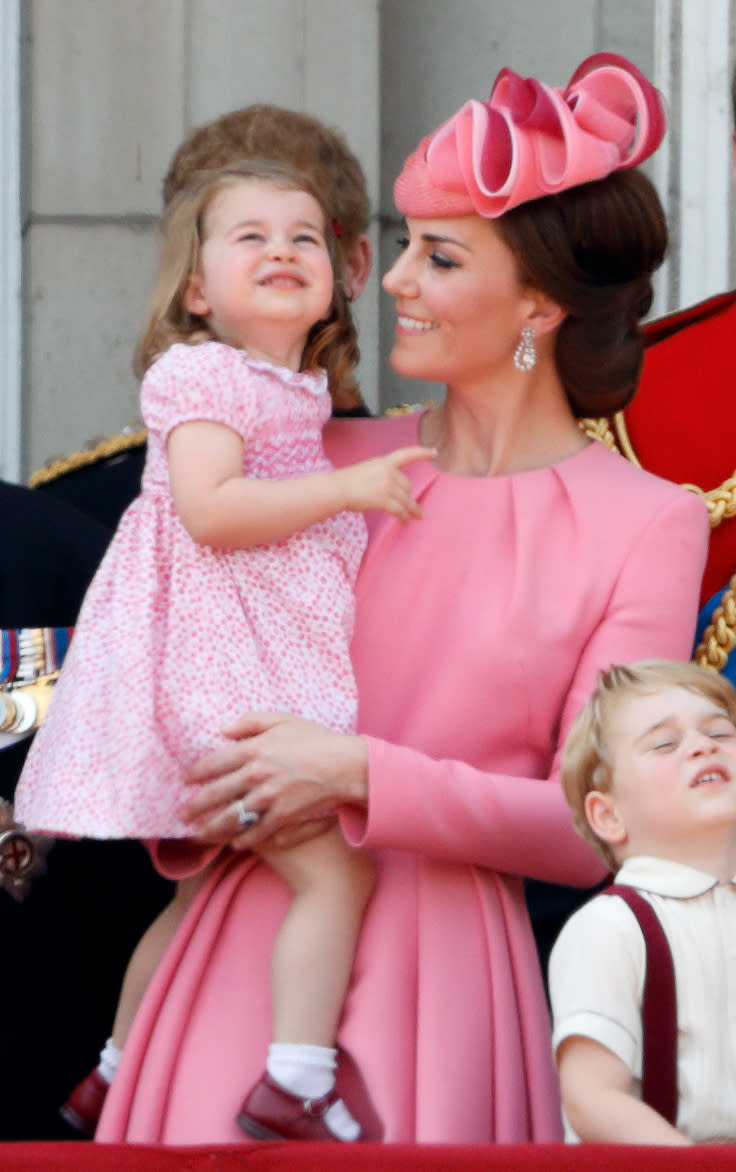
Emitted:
<point x="529" y="140"/>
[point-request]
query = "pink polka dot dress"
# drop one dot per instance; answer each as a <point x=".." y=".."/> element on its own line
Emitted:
<point x="176" y="639"/>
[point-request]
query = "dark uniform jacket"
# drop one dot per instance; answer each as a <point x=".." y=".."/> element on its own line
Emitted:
<point x="65" y="948"/>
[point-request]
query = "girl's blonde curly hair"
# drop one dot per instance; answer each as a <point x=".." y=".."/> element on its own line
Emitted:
<point x="331" y="344"/>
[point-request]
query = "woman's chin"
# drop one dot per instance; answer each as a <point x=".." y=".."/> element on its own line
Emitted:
<point x="412" y="366"/>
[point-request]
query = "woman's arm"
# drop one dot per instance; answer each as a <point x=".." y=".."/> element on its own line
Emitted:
<point x="222" y="508"/>
<point x="522" y="825"/>
<point x="596" y="1094"/>
<point x="402" y="799"/>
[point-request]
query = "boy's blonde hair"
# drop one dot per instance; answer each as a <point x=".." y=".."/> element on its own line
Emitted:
<point x="588" y="757"/>
<point x="331" y="344"/>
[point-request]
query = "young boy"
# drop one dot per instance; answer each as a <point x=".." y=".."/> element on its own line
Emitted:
<point x="649" y="769"/>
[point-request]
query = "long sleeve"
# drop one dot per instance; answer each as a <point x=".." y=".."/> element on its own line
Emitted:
<point x="521" y="824"/>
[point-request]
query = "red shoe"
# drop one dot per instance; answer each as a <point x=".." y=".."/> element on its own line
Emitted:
<point x="83" y="1108"/>
<point x="270" y="1112"/>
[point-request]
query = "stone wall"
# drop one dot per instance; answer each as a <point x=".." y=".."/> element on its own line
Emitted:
<point x="111" y="86"/>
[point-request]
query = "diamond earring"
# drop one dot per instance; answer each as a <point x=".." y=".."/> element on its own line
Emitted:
<point x="525" y="354"/>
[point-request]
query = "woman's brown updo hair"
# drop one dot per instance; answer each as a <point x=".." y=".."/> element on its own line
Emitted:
<point x="592" y="250"/>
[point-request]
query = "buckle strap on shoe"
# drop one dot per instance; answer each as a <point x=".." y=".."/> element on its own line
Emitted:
<point x="317" y="1107"/>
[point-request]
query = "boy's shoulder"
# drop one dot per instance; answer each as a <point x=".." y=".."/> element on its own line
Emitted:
<point x="602" y="913"/>
<point x="601" y="929"/>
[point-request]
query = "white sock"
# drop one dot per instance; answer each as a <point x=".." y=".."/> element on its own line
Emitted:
<point x="309" y="1071"/>
<point x="109" y="1059"/>
<point x="341" y="1123"/>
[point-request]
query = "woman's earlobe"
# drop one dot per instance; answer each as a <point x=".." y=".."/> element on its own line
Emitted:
<point x="546" y="316"/>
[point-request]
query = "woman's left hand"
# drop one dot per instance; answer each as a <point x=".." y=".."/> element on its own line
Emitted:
<point x="292" y="772"/>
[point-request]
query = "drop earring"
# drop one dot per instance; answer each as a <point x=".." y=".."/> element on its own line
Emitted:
<point x="525" y="354"/>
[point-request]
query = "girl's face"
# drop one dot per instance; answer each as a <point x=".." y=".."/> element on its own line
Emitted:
<point x="460" y="304"/>
<point x="265" y="275"/>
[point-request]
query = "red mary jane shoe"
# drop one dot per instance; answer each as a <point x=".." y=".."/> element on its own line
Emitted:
<point x="83" y="1108"/>
<point x="270" y="1112"/>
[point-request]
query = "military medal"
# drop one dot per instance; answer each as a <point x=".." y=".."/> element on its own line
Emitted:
<point x="22" y="855"/>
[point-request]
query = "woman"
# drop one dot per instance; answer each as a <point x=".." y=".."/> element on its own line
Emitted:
<point x="479" y="631"/>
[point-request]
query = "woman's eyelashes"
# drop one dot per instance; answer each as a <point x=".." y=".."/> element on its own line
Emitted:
<point x="438" y="260"/>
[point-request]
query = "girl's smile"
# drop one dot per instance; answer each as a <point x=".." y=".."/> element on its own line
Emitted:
<point x="265" y="275"/>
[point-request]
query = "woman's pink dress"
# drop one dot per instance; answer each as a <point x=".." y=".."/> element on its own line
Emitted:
<point x="176" y="638"/>
<point x="479" y="632"/>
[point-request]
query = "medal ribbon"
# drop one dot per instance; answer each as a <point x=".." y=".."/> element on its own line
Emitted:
<point x="30" y="652"/>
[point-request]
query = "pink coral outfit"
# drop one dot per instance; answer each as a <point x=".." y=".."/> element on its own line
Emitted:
<point x="479" y="631"/>
<point x="175" y="638"/>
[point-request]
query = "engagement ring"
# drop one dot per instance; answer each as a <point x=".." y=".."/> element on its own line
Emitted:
<point x="246" y="817"/>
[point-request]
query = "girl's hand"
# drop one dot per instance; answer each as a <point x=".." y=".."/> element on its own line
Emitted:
<point x="290" y="771"/>
<point x="380" y="484"/>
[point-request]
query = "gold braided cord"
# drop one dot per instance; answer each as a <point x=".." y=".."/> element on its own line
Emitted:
<point x="719" y="637"/>
<point x="720" y="502"/>
<point x="409" y="408"/>
<point x="599" y="429"/>
<point x="622" y="438"/>
<point x="96" y="451"/>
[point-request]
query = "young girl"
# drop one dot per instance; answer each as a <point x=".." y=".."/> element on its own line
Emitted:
<point x="229" y="584"/>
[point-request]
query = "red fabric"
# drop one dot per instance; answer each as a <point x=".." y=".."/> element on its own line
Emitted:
<point x="682" y="419"/>
<point x="659" y="1008"/>
<point x="84" y="1157"/>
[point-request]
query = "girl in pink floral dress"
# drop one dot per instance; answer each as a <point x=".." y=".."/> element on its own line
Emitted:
<point x="229" y="583"/>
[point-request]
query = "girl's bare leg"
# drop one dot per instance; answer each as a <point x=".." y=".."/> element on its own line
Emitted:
<point x="84" y="1105"/>
<point x="313" y="953"/>
<point x="148" y="953"/>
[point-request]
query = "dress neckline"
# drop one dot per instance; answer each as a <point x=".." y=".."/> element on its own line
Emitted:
<point x="456" y="477"/>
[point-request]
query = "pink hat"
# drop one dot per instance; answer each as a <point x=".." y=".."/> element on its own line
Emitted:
<point x="530" y="140"/>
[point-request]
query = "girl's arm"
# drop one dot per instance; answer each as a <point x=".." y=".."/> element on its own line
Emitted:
<point x="222" y="508"/>
<point x="596" y="1094"/>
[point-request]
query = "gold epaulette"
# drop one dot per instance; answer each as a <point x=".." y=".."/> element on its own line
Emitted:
<point x="94" y="451"/>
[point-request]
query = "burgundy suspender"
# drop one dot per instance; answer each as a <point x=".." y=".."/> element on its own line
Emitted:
<point x="659" y="1009"/>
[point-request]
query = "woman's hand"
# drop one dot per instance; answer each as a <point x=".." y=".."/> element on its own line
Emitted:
<point x="292" y="772"/>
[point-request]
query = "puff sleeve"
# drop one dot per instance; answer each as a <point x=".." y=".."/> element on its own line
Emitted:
<point x="200" y="382"/>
